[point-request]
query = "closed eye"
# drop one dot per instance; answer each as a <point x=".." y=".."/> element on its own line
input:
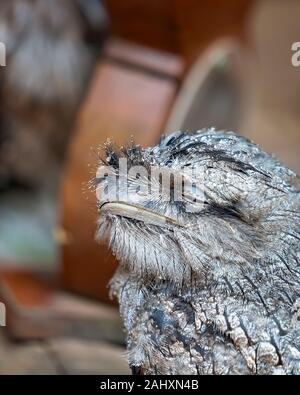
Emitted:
<point x="224" y="210"/>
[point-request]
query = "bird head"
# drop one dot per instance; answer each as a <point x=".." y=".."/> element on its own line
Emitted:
<point x="196" y="207"/>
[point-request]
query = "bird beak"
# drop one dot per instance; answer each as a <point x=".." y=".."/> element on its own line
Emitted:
<point x="138" y="213"/>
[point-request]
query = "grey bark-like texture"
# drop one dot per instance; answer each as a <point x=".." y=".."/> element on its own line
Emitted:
<point x="51" y="50"/>
<point x="216" y="289"/>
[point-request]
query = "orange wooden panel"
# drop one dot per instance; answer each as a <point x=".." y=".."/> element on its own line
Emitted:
<point x="201" y="22"/>
<point x="23" y="288"/>
<point x="28" y="301"/>
<point x="148" y="22"/>
<point x="185" y="27"/>
<point x="147" y="59"/>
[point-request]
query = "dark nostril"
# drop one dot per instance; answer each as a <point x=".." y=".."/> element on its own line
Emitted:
<point x="98" y="180"/>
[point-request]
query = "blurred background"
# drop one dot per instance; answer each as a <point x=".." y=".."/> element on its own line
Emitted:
<point x="80" y="71"/>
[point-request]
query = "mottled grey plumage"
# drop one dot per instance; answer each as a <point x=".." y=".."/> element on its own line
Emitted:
<point x="220" y="294"/>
